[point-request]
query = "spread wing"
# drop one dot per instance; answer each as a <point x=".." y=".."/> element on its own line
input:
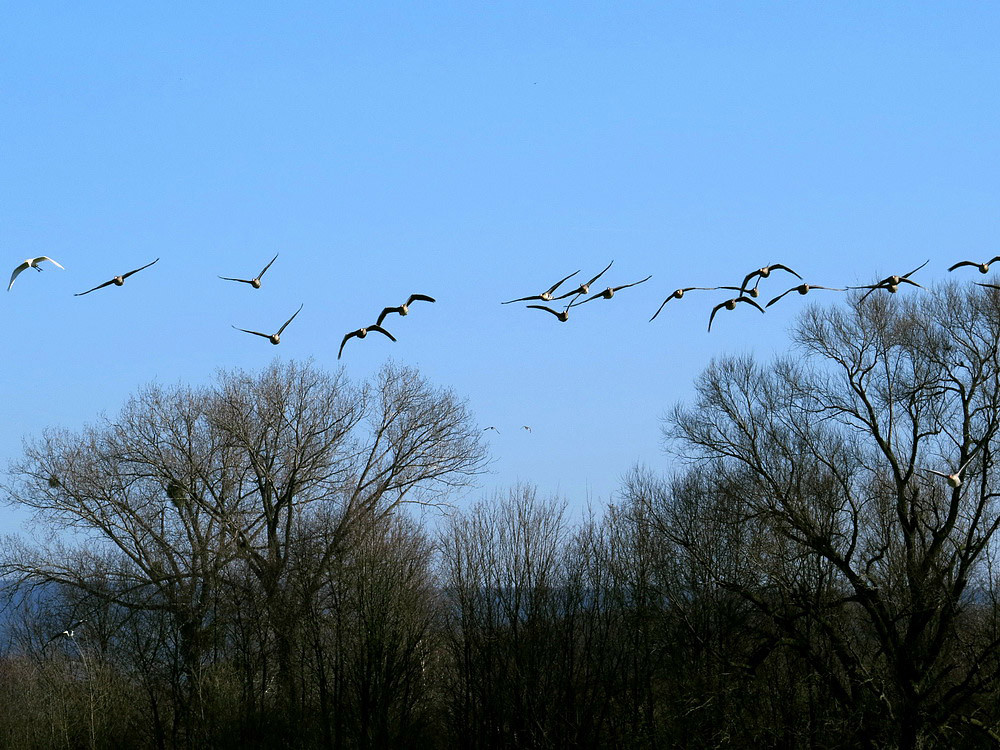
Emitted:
<point x="255" y="333"/>
<point x="794" y="288"/>
<point x="348" y="336"/>
<point x="126" y="275"/>
<point x="555" y="286"/>
<point x="750" y="301"/>
<point x="227" y="278"/>
<point x="386" y="311"/>
<point x="543" y="307"/>
<point x="905" y="275"/>
<point x="522" y="299"/>
<point x="959" y="265"/>
<point x="17" y="272"/>
<point x="99" y="286"/>
<point x="40" y="258"/>
<point x="589" y="283"/>
<point x="714" y="311"/>
<point x="626" y="286"/>
<point x="290" y="320"/>
<point x="785" y="268"/>
<point x="381" y="330"/>
<point x="419" y="297"/>
<point x="267" y="266"/>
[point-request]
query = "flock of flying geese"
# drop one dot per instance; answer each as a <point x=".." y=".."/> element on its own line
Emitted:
<point x="255" y="282"/>
<point x="745" y="293"/>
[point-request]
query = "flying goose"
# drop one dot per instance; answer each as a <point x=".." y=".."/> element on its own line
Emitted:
<point x="361" y="333"/>
<point x="491" y="427"/>
<point x="254" y="282"/>
<point x="117" y="280"/>
<point x="610" y="291"/>
<point x="763" y="273"/>
<point x="403" y="309"/>
<point x="730" y="304"/>
<point x="803" y="289"/>
<point x="583" y="288"/>
<point x="563" y="315"/>
<point x="30" y="263"/>
<point x="679" y="293"/>
<point x="545" y="296"/>
<point x="983" y="267"/>
<point x="274" y="338"/>
<point x="891" y="283"/>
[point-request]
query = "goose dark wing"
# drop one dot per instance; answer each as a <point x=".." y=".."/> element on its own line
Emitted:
<point x="386" y="311"/>
<point x="626" y="286"/>
<point x="543" y="307"/>
<point x="267" y="266"/>
<point x="794" y="288"/>
<point x="227" y="278"/>
<point x="419" y="298"/>
<point x="381" y="330"/>
<point x="905" y="275"/>
<point x="555" y="286"/>
<point x="126" y="275"/>
<point x="785" y="268"/>
<point x="959" y="265"/>
<point x="255" y="333"/>
<point x="350" y="335"/>
<point x="280" y="330"/>
<point x="589" y="283"/>
<point x="99" y="286"/>
<point x="522" y="299"/>
<point x="750" y="301"/>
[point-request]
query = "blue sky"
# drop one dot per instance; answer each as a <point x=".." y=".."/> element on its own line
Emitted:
<point x="475" y="152"/>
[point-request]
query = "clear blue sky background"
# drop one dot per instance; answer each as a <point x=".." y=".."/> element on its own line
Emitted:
<point x="475" y="152"/>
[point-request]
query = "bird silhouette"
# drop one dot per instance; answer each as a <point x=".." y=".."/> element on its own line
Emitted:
<point x="763" y="273"/>
<point x="803" y="289"/>
<point x="254" y="282"/>
<point x="403" y="309"/>
<point x="891" y="283"/>
<point x="983" y="267"/>
<point x="117" y="280"/>
<point x="361" y="333"/>
<point x="730" y="304"/>
<point x="679" y="293"/>
<point x="562" y="315"/>
<point x="274" y="338"/>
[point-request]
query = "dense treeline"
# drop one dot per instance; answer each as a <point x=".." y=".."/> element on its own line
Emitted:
<point x="234" y="567"/>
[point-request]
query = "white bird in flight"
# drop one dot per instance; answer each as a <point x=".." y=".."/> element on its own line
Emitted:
<point x="30" y="263"/>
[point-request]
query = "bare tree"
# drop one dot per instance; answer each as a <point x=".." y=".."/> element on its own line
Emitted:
<point x="165" y="507"/>
<point x="869" y="566"/>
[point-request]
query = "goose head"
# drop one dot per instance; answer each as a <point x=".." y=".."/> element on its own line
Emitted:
<point x="274" y="339"/>
<point x="802" y="289"/>
<point x="255" y="283"/>
<point x="118" y="280"/>
<point x="731" y="304"/>
<point x="984" y="267"/>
